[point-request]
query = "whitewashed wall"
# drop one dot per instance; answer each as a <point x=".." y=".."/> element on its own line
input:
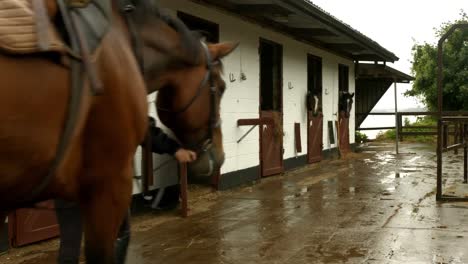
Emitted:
<point x="241" y="99"/>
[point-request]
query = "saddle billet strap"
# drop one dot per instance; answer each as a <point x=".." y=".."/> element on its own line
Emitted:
<point x="90" y="67"/>
<point x="78" y="3"/>
<point x="76" y="94"/>
<point x="42" y="24"/>
<point x="127" y="7"/>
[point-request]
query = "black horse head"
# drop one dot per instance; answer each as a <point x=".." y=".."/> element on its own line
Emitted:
<point x="345" y="102"/>
<point x="313" y="102"/>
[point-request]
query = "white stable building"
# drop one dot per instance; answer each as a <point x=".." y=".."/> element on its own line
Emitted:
<point x="287" y="48"/>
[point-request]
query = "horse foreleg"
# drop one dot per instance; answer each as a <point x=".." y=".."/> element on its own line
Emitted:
<point x="70" y="225"/>
<point x="123" y="239"/>
<point x="3" y="216"/>
<point x="104" y="214"/>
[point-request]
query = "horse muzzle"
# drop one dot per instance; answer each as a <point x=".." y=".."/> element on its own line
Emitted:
<point x="209" y="162"/>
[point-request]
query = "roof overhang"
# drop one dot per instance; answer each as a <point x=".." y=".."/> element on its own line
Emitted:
<point x="381" y="71"/>
<point x="307" y="22"/>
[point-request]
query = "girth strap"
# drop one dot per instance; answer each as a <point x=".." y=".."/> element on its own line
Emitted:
<point x="76" y="94"/>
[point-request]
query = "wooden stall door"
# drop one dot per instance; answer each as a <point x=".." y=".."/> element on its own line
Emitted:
<point x="315" y="137"/>
<point x="314" y="105"/>
<point x="28" y="226"/>
<point x="343" y="121"/>
<point x="343" y="130"/>
<point x="271" y="100"/>
<point x="272" y="147"/>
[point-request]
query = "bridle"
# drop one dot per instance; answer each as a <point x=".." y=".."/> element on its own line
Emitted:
<point x="205" y="145"/>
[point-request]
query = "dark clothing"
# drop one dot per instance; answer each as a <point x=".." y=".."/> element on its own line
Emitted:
<point x="161" y="143"/>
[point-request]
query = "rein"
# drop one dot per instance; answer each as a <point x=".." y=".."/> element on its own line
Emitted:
<point x="205" y="144"/>
<point x="75" y="97"/>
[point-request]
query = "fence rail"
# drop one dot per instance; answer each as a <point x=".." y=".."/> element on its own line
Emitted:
<point x="409" y="130"/>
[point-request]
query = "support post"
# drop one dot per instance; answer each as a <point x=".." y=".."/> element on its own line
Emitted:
<point x="457" y="138"/>
<point x="465" y="154"/>
<point x="445" y="129"/>
<point x="147" y="165"/>
<point x="400" y="131"/>
<point x="439" y="158"/>
<point x="183" y="189"/>
<point x="397" y="127"/>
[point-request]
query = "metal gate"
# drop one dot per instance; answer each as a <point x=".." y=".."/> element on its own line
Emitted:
<point x="28" y="226"/>
<point x="460" y="139"/>
<point x="315" y="137"/>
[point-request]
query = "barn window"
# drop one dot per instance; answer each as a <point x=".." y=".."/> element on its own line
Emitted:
<point x="314" y="77"/>
<point x="343" y="77"/>
<point x="271" y="55"/>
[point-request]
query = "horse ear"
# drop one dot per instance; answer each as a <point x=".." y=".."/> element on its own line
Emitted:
<point x="221" y="50"/>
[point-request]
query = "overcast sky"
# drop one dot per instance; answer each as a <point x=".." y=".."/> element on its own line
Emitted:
<point x="396" y="25"/>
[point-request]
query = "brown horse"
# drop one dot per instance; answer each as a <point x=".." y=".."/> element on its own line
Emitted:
<point x="96" y="169"/>
<point x="187" y="89"/>
<point x="182" y="103"/>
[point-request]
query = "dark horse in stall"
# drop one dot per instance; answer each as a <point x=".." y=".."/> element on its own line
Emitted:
<point x="96" y="168"/>
<point x="345" y="103"/>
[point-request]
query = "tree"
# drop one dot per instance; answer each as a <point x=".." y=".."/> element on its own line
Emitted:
<point x="455" y="82"/>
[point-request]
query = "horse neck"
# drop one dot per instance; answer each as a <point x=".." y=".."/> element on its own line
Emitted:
<point x="168" y="59"/>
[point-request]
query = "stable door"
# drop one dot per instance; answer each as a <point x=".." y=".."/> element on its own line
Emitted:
<point x="314" y="109"/>
<point x="271" y="133"/>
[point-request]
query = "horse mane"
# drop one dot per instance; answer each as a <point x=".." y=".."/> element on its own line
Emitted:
<point x="148" y="9"/>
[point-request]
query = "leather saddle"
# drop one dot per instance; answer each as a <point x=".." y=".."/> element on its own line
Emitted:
<point x="26" y="26"/>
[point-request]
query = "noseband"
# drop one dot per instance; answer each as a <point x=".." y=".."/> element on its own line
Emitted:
<point x="205" y="145"/>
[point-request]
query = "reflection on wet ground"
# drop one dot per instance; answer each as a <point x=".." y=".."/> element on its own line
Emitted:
<point x="374" y="207"/>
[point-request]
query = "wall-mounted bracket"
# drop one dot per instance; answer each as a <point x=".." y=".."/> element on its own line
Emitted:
<point x="254" y="122"/>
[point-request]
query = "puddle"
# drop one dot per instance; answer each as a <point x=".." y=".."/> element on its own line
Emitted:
<point x="414" y="159"/>
<point x="410" y="169"/>
<point x="387" y="180"/>
<point x="393" y="177"/>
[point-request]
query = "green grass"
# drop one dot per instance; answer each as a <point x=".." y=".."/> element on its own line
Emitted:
<point x="360" y="137"/>
<point x="421" y="121"/>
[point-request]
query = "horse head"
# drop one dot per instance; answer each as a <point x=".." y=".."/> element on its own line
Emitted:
<point x="187" y="73"/>
<point x="313" y="102"/>
<point x="346" y="102"/>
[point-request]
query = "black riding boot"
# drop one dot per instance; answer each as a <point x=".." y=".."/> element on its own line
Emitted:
<point x="121" y="244"/>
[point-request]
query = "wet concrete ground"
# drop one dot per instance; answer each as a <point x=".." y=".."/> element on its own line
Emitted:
<point x="372" y="207"/>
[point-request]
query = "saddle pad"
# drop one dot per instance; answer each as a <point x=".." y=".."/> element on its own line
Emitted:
<point x="18" y="33"/>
